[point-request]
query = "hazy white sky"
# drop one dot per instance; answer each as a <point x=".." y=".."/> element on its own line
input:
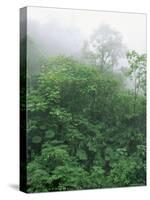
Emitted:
<point x="131" y="26"/>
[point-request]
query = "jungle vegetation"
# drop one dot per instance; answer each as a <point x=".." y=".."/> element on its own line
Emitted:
<point x="85" y="129"/>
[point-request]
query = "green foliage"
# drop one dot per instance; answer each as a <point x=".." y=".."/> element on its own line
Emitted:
<point x="82" y="130"/>
<point x="137" y="71"/>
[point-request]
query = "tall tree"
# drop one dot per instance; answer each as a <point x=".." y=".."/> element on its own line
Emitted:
<point x="104" y="48"/>
<point x="137" y="71"/>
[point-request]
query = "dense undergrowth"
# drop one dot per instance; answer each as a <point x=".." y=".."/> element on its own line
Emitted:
<point x="85" y="129"/>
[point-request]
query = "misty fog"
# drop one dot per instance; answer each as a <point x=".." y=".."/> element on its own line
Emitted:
<point x="53" y="32"/>
<point x="54" y="39"/>
<point x="63" y="31"/>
